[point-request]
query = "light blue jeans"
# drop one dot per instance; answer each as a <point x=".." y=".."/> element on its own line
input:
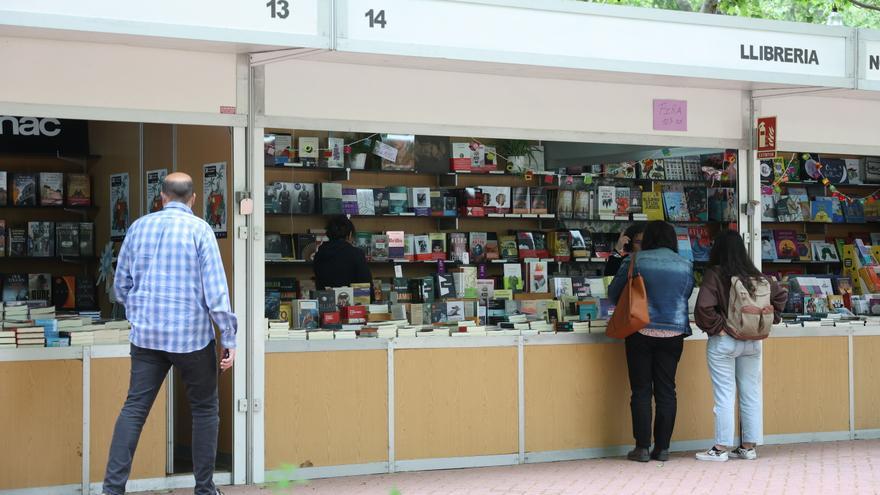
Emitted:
<point x="735" y="365"/>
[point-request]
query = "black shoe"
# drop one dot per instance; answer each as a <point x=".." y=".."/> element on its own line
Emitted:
<point x="639" y="455"/>
<point x="661" y="455"/>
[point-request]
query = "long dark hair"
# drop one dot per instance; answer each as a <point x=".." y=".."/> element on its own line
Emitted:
<point x="729" y="255"/>
<point x="659" y="234"/>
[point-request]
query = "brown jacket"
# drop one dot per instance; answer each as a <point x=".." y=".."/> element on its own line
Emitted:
<point x="712" y="301"/>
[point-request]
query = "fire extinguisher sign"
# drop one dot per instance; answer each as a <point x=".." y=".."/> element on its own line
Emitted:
<point x="766" y="141"/>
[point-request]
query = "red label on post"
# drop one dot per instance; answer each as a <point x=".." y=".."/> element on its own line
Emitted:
<point x="766" y="139"/>
<point x="227" y="110"/>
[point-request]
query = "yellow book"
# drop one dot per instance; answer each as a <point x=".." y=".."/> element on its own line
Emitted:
<point x="850" y="264"/>
<point x="652" y="205"/>
<point x="284" y="312"/>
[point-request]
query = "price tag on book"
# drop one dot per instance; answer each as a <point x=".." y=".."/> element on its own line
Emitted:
<point x="398" y="271"/>
<point x="465" y="258"/>
<point x="481" y="271"/>
<point x="441" y="266"/>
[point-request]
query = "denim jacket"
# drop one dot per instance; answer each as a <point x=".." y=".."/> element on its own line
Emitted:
<point x="669" y="281"/>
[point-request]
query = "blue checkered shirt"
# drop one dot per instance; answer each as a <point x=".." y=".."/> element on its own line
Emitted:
<point x="170" y="278"/>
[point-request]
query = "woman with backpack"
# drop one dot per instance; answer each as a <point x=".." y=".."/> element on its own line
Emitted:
<point x="736" y="306"/>
<point x="652" y="353"/>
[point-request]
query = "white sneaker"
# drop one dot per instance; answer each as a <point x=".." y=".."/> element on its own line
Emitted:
<point x="744" y="453"/>
<point x="712" y="454"/>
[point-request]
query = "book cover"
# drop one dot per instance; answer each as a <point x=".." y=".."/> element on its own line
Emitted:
<point x="302" y="199"/>
<point x="397" y="200"/>
<point x="40" y="287"/>
<point x="822" y="209"/>
<point x="438" y="245"/>
<point x="652" y="205"/>
<point x="623" y="170"/>
<point x="51" y="189"/>
<point x="635" y="200"/>
<point x="786" y="244"/>
<point x="560" y="245"/>
<point x="277" y="149"/>
<point x="67" y="239"/>
<point x="583" y="204"/>
<point x="692" y="169"/>
<point x="432" y="154"/>
<point x="565" y="203"/>
<point x="423" y="247"/>
<point x="809" y="169"/>
<point x="788" y="209"/>
<point x="24" y="189"/>
<point x="272" y="246"/>
<point x="396" y="244"/>
<point x="287" y="250"/>
<point x="306" y="246"/>
<point x="607" y="200"/>
<point x="379" y="247"/>
<point x="458" y="246"/>
<point x="365" y="199"/>
<point x="64" y="292"/>
<point x="493" y="246"/>
<point x="675" y="205"/>
<point x="306" y="314"/>
<point x="799" y="195"/>
<point x="436" y="201"/>
<point x="477" y="247"/>
<point x="621" y="201"/>
<point x="537" y="200"/>
<point x="824" y="251"/>
<point x="803" y="248"/>
<point x="652" y="169"/>
<point x="85" y="294"/>
<point x="578" y="244"/>
<point x="525" y="244"/>
<point x="307" y="151"/>
<point x="507" y="248"/>
<point x="444" y="285"/>
<point x="465" y="278"/>
<point x="41" y="239"/>
<point x="701" y="242"/>
<point x="684" y="243"/>
<point x="520" y="200"/>
<point x="542" y="249"/>
<point x="4" y="188"/>
<point x="79" y="190"/>
<point x="722" y="204"/>
<point x="768" y="204"/>
<point x="335" y="152"/>
<point x="419" y="201"/>
<point x="120" y="211"/>
<point x="872" y="170"/>
<point x="15" y="287"/>
<point x="768" y="245"/>
<point x="538" y="277"/>
<point x="697" y="203"/>
<point x="409" y="247"/>
<point x="381" y="203"/>
<point x="834" y="169"/>
<point x="450" y="205"/>
<point x="496" y="199"/>
<point x="402" y="152"/>
<point x="86" y="239"/>
<point x="18" y="241"/>
<point x="837" y="211"/>
<point x="854" y="212"/>
<point x="513" y="277"/>
<point x="2" y="238"/>
<point x="855" y="170"/>
<point x="464" y="157"/>
<point x="331" y="198"/>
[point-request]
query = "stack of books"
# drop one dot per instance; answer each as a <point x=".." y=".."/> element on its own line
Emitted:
<point x="30" y="336"/>
<point x="7" y="339"/>
<point x="278" y="330"/>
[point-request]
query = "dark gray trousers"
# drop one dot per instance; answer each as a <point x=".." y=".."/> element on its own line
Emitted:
<point x="148" y="370"/>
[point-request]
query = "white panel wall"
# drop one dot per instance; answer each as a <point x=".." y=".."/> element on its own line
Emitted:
<point x="47" y="72"/>
<point x="824" y="124"/>
<point x="498" y="106"/>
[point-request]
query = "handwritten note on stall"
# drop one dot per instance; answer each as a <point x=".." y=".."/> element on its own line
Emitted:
<point x="670" y="115"/>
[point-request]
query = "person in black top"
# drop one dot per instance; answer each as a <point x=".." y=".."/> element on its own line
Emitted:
<point x="630" y="241"/>
<point x="338" y="263"/>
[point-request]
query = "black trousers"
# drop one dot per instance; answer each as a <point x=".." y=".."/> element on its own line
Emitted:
<point x="652" y="362"/>
<point x="198" y="371"/>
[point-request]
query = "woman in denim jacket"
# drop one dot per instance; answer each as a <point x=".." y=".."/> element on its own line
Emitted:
<point x="652" y="353"/>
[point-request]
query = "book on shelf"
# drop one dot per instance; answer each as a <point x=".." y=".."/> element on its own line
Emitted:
<point x="436" y="201"/>
<point x="438" y="245"/>
<point x="652" y="205"/>
<point x="277" y="149"/>
<point x="603" y="244"/>
<point x="565" y="203"/>
<point x="768" y="245"/>
<point x="803" y="247"/>
<point x="824" y="251"/>
<point x="583" y="204"/>
<point x="854" y="212"/>
<point x="652" y="169"/>
<point x="560" y="245"/>
<point x="538" y="277"/>
<point x="396" y="244"/>
<point x="837" y="211"/>
<point x="834" y="169"/>
<point x="4" y="188"/>
<point x="67" y="239"/>
<point x="86" y="298"/>
<point x="855" y="170"/>
<point x="513" y="277"/>
<point x="606" y="201"/>
<point x="397" y="152"/>
<point x="768" y="204"/>
<point x="799" y="196"/>
<point x="786" y="244"/>
<point x="579" y="248"/>
<point x="432" y="154"/>
<point x="682" y="235"/>
<point x="621" y="201"/>
<point x="365" y="202"/>
<point x="39" y="287"/>
<point x="331" y="198"/>
<point x="537" y="200"/>
<point x="477" y="246"/>
<point x="15" y="287"/>
<point x="444" y="285"/>
<point x="674" y="168"/>
<point x="381" y="203"/>
<point x="496" y="199"/>
<point x="822" y="209"/>
<point x="379" y="247"/>
<point x="872" y="170"/>
<point x="422" y="244"/>
<point x="788" y="209"/>
<point x="287" y="247"/>
<point x="409" y="247"/>
<point x="635" y="200"/>
<point x="675" y="204"/>
<point x="508" y="248"/>
<point x="493" y="246"/>
<point x="465" y="279"/>
<point x="397" y="200"/>
<point x="41" y="239"/>
<point x="722" y="204"/>
<point x="697" y="203"/>
<point x="458" y="246"/>
<point x="519" y="200"/>
<point x="701" y="242"/>
<point x="692" y="168"/>
<point x="18" y="242"/>
<point x="419" y="201"/>
<point x="51" y="189"/>
<point x="24" y="189"/>
<point x="463" y="157"/>
<point x="307" y="151"/>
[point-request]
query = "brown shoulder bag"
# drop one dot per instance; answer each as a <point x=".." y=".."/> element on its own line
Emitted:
<point x="631" y="313"/>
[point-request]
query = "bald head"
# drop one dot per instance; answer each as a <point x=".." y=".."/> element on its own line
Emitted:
<point x="178" y="187"/>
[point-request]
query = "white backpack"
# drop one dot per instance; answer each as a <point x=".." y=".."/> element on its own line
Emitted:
<point x="749" y="316"/>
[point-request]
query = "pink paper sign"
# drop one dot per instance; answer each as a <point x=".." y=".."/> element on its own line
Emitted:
<point x="670" y="115"/>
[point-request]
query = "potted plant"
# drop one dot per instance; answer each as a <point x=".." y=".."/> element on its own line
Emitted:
<point x="519" y="154"/>
<point x="359" y="153"/>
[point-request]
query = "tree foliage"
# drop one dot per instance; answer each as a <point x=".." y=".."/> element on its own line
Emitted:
<point x="812" y="11"/>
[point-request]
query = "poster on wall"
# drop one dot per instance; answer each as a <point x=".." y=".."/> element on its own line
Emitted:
<point x="214" y="197"/>
<point x="120" y="211"/>
<point x="154" y="189"/>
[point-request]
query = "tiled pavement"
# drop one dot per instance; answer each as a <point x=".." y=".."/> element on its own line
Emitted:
<point x="821" y="468"/>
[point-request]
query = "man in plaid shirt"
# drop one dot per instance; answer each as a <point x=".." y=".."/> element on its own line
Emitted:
<point x="170" y="278"/>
